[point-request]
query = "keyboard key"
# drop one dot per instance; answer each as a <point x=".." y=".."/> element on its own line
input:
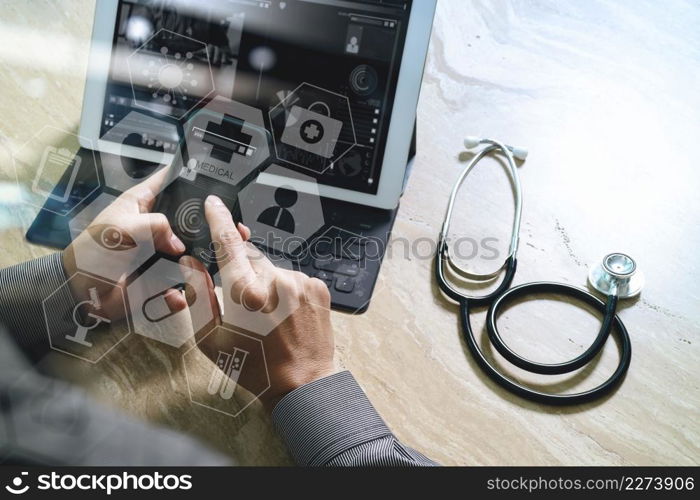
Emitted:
<point x="340" y="243"/>
<point x="339" y="266"/>
<point x="325" y="277"/>
<point x="345" y="284"/>
<point x="354" y="250"/>
<point x="350" y="249"/>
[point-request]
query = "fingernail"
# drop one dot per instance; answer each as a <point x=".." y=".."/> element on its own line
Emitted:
<point x="185" y="268"/>
<point x="171" y="297"/>
<point x="160" y="307"/>
<point x="178" y="245"/>
<point x="214" y="201"/>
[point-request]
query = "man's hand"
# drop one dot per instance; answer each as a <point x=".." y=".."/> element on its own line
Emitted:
<point x="299" y="350"/>
<point x="126" y="223"/>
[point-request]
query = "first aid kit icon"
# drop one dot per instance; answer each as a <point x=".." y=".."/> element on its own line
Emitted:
<point x="311" y="131"/>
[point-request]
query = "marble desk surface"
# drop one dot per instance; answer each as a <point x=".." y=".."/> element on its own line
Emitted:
<point x="605" y="96"/>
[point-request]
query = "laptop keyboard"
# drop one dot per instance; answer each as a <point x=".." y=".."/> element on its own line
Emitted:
<point x="333" y="256"/>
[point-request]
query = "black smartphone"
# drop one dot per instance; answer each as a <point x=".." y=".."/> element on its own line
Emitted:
<point x="220" y="154"/>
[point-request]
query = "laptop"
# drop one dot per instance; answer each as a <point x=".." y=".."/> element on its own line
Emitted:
<point x="299" y="114"/>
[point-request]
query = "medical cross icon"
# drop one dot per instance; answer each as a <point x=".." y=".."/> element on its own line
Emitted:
<point x="227" y="138"/>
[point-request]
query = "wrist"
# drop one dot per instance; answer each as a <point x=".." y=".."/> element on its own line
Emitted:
<point x="68" y="261"/>
<point x="70" y="269"/>
<point x="293" y="380"/>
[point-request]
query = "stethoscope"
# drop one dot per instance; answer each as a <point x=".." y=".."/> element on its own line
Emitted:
<point x="616" y="277"/>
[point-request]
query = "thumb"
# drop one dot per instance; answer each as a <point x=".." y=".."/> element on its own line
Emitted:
<point x="157" y="226"/>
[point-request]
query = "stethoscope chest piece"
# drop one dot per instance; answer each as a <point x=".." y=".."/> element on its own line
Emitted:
<point x="617" y="275"/>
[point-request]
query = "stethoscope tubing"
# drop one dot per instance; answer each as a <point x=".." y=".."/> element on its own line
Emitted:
<point x="542" y="397"/>
<point x="559" y="289"/>
<point x="504" y="295"/>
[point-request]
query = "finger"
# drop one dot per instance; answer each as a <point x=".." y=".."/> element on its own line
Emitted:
<point x="164" y="305"/>
<point x="244" y="231"/>
<point x="157" y="227"/>
<point x="197" y="265"/>
<point x="141" y="197"/>
<point x="316" y="293"/>
<point x="190" y="266"/>
<point x="292" y="284"/>
<point x="233" y="248"/>
<point x="273" y="297"/>
<point x="262" y="266"/>
<point x="257" y="296"/>
<point x="175" y="300"/>
<point x="260" y="295"/>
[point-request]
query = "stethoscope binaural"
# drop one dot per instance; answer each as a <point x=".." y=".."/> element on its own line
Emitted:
<point x="616" y="277"/>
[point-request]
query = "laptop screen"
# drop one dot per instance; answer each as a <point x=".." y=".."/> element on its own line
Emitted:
<point x="323" y="73"/>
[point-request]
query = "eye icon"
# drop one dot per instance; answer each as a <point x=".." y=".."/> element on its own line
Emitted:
<point x="113" y="238"/>
<point x="16" y="487"/>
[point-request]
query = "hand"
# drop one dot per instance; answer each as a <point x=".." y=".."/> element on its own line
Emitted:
<point x="115" y="235"/>
<point x="300" y="349"/>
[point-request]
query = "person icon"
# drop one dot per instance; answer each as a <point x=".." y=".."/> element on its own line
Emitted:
<point x="279" y="216"/>
<point x="353" y="46"/>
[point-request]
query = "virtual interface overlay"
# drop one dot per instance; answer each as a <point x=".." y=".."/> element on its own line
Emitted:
<point x="322" y="72"/>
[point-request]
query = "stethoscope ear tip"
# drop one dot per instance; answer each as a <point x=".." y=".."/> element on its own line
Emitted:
<point x="472" y="141"/>
<point x="617" y="274"/>
<point x="520" y="153"/>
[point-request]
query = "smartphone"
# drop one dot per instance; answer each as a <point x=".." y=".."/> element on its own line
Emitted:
<point x="220" y="153"/>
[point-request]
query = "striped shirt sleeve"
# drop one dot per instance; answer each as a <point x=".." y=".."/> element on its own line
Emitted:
<point x="24" y="289"/>
<point x="330" y="422"/>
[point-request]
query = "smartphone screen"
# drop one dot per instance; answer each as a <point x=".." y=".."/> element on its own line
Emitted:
<point x="223" y="149"/>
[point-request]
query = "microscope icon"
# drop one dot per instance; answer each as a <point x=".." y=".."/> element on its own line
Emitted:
<point x="92" y="320"/>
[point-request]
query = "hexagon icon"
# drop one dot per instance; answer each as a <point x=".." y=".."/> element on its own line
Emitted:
<point x="50" y="168"/>
<point x="107" y="250"/>
<point x="226" y="371"/>
<point x="93" y="327"/>
<point x="170" y="82"/>
<point x="242" y="312"/>
<point x="225" y="141"/>
<point x="282" y="208"/>
<point x="150" y="313"/>
<point x="348" y="263"/>
<point x="157" y="137"/>
<point x="312" y="128"/>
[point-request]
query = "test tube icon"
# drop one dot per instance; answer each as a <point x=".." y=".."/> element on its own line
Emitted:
<point x="224" y="377"/>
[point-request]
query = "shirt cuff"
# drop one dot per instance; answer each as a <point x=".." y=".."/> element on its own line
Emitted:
<point x="24" y="305"/>
<point x="325" y="418"/>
